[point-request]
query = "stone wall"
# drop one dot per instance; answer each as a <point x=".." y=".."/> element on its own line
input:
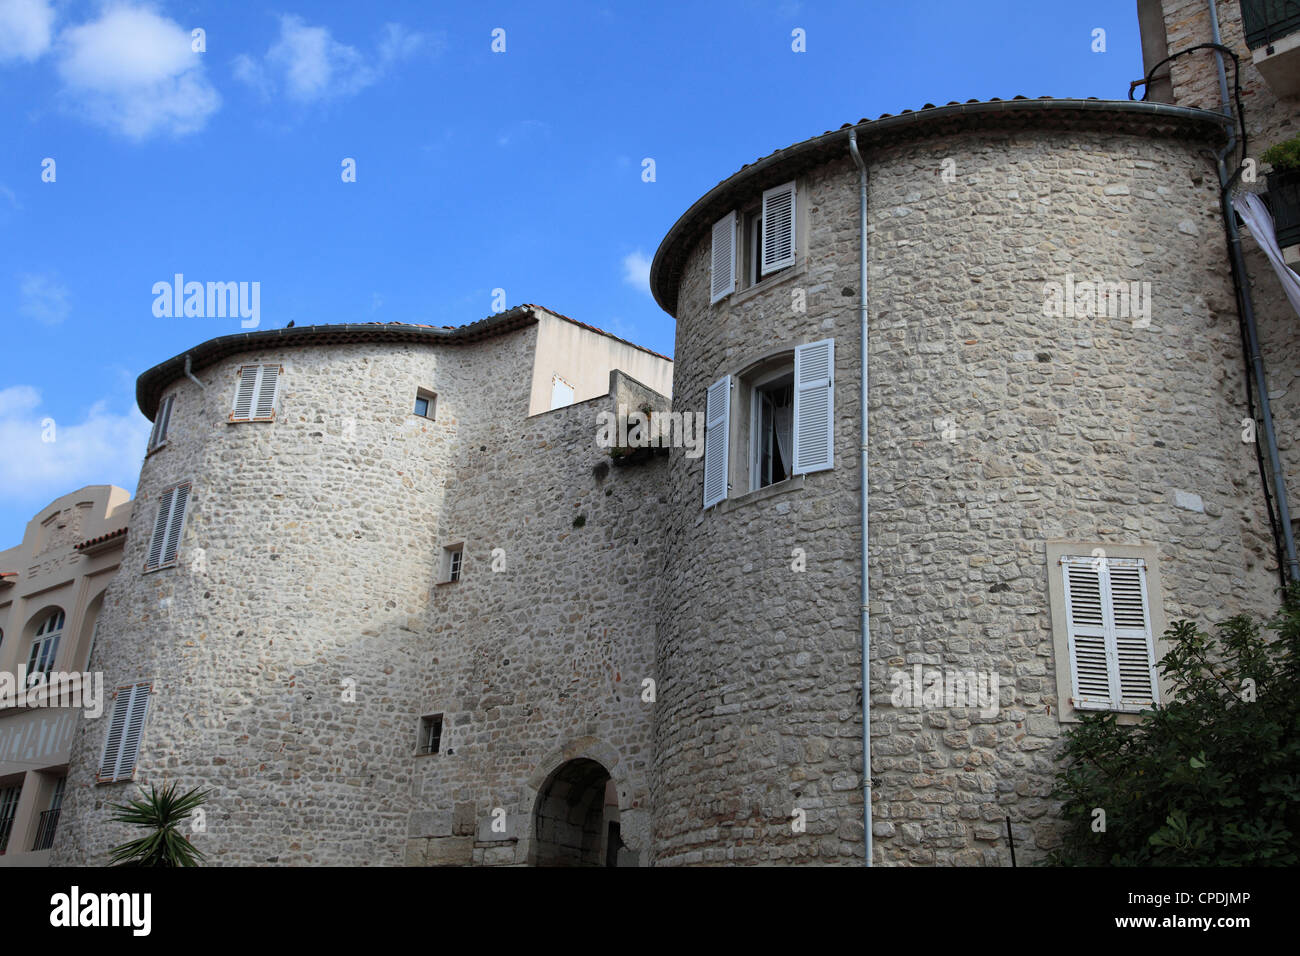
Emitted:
<point x="301" y="637"/>
<point x="994" y="428"/>
<point x="1269" y="120"/>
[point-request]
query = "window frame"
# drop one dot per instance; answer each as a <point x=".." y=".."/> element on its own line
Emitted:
<point x="43" y="639"/>
<point x="430" y="404"/>
<point x="1056" y="550"/>
<point x="426" y="724"/>
<point x="256" y="393"/>
<point x="452" y="567"/>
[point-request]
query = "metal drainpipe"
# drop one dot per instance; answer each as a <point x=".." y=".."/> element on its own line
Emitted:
<point x="1242" y="281"/>
<point x="190" y="375"/>
<point x="866" y="588"/>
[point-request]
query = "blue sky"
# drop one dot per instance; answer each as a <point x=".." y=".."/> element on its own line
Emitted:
<point x="476" y="170"/>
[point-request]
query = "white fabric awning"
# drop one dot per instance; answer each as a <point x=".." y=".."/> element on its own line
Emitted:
<point x="1256" y="216"/>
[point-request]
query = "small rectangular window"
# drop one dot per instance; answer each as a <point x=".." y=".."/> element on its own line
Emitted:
<point x="430" y="734"/>
<point x="125" y="728"/>
<point x="425" y="403"/>
<point x="161" y="419"/>
<point x="452" y="559"/>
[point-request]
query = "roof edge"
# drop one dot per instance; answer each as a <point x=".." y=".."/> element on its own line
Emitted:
<point x="665" y="269"/>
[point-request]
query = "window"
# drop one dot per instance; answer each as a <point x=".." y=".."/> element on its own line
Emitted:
<point x="168" y="526"/>
<point x="49" y="821"/>
<point x="125" y="726"/>
<point x="425" y="403"/>
<point x="256" y="393"/>
<point x="771" y="432"/>
<point x="561" y="392"/>
<point x="161" y="419"/>
<point x="45" y="647"/>
<point x="8" y="808"/>
<point x="768" y="237"/>
<point x="430" y="734"/>
<point x="452" y="558"/>
<point x="783" y="422"/>
<point x="1105" y="619"/>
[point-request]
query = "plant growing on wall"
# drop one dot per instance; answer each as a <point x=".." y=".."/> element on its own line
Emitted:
<point x="1283" y="155"/>
<point x="160" y="814"/>
<point x="1212" y="778"/>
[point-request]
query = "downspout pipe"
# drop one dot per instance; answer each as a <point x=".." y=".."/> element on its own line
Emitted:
<point x="1245" y="302"/>
<point x="189" y="373"/>
<point x="865" y="594"/>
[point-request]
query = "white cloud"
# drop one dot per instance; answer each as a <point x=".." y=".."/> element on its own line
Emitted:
<point x="43" y="299"/>
<point x="636" y="270"/>
<point x="133" y="70"/>
<point x="25" y="27"/>
<point x="103" y="448"/>
<point x="310" y="65"/>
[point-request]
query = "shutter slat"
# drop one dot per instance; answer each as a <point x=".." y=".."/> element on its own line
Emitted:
<point x="814" y="407"/>
<point x="717" y="422"/>
<point x="722" y="281"/>
<point x="778" y="228"/>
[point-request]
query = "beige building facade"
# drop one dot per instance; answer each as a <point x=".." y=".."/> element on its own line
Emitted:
<point x="52" y="588"/>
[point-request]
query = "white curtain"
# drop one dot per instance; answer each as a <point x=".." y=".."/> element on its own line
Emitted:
<point x="1255" y="214"/>
<point x="783" y="419"/>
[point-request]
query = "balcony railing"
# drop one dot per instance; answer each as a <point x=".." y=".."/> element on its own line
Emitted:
<point x="45" y="832"/>
<point x="1267" y="21"/>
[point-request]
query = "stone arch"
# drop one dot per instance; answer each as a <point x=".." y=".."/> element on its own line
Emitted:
<point x="569" y="785"/>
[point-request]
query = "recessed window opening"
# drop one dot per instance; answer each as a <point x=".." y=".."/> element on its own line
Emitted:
<point x="773" y="430"/>
<point x="430" y="734"/>
<point x="425" y="403"/>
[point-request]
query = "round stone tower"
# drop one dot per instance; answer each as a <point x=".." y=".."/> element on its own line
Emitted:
<point x="1055" y="373"/>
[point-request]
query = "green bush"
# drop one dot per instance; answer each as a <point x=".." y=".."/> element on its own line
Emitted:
<point x="1283" y="155"/>
<point x="1212" y="778"/>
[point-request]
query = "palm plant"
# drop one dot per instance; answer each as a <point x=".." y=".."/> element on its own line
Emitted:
<point x="160" y="813"/>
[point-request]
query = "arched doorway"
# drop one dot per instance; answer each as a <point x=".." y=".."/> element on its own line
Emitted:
<point x="575" y="819"/>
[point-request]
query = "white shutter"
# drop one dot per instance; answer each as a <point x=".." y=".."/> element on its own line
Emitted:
<point x="717" y="422"/>
<point x="1112" y="648"/>
<point x="1086" y="627"/>
<point x="814" y="407"/>
<point x="139" y="706"/>
<point x="723" y="280"/>
<point x="1139" y="686"/>
<point x="268" y="384"/>
<point x="176" y="523"/>
<point x="159" y="530"/>
<point x="778" y="228"/>
<point x="244" y="393"/>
